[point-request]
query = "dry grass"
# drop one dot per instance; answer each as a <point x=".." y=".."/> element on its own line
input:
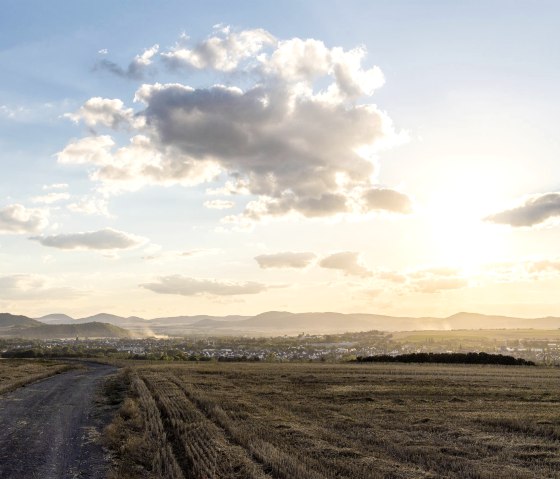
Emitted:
<point x="326" y="421"/>
<point x="15" y="373"/>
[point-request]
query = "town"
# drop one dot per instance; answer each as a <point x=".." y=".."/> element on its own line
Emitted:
<point x="525" y="344"/>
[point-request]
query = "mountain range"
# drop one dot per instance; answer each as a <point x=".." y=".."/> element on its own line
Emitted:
<point x="283" y="322"/>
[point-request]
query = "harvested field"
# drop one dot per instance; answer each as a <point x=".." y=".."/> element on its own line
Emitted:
<point x="18" y="372"/>
<point x="326" y="421"/>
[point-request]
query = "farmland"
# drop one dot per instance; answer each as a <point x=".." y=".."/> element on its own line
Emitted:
<point x="298" y="420"/>
<point x="15" y="373"/>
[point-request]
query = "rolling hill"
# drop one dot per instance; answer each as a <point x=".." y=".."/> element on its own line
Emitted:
<point x="23" y="327"/>
<point x="284" y="322"/>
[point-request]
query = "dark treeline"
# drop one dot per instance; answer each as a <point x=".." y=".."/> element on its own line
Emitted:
<point x="453" y="358"/>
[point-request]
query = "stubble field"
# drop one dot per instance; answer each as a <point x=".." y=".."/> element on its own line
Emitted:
<point x="15" y="373"/>
<point x="216" y="420"/>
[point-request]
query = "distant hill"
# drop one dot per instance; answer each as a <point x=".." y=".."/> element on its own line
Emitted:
<point x="56" y="318"/>
<point x="284" y="322"/>
<point x="8" y="320"/>
<point x="65" y="331"/>
<point x="24" y="327"/>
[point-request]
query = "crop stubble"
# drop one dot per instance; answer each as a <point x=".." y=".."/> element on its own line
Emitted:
<point x="325" y="421"/>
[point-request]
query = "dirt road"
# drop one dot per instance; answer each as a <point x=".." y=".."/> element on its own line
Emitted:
<point x="48" y="429"/>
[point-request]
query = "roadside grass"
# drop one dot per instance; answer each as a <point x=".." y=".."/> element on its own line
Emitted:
<point x="295" y="420"/>
<point x="15" y="373"/>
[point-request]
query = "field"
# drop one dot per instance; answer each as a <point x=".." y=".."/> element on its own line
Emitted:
<point x="17" y="372"/>
<point x="232" y="420"/>
<point x="478" y="335"/>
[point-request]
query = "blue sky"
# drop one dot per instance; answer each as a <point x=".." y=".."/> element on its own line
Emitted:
<point x="458" y="211"/>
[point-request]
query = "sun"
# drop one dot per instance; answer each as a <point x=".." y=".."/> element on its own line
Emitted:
<point x="455" y="213"/>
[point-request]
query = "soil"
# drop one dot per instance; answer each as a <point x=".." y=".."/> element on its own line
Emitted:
<point x="50" y="429"/>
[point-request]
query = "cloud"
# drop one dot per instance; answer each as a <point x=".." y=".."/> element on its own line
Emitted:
<point x="103" y="111"/>
<point x="436" y="285"/>
<point x="299" y="135"/>
<point x="16" y="219"/>
<point x="91" y="206"/>
<point x="543" y="266"/>
<point x="51" y="198"/>
<point x="136" y="68"/>
<point x="435" y="280"/>
<point x="285" y="260"/>
<point x="185" y="286"/>
<point x="106" y="239"/>
<point x="348" y="262"/>
<point x="222" y="51"/>
<point x="536" y="209"/>
<point x="56" y="186"/>
<point x="386" y="199"/>
<point x="219" y="204"/>
<point x="33" y="287"/>
<point x="153" y="252"/>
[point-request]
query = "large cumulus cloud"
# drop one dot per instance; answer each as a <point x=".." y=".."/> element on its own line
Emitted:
<point x="299" y="134"/>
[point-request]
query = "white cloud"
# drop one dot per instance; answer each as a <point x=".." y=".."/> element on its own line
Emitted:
<point x="17" y="219"/>
<point x="222" y="51"/>
<point x="219" y="204"/>
<point x="535" y="210"/>
<point x="56" y="186"/>
<point x="51" y="198"/>
<point x="103" y="111"/>
<point x="106" y="239"/>
<point x="285" y="260"/>
<point x="185" y="286"/>
<point x="91" y="206"/>
<point x="286" y="138"/>
<point x="347" y="261"/>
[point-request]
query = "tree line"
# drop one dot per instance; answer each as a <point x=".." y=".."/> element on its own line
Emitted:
<point x="452" y="358"/>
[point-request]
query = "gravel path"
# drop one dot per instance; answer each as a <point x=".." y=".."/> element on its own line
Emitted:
<point x="48" y="429"/>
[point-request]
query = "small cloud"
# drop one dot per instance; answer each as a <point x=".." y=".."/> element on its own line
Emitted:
<point x="348" y="262"/>
<point x="435" y="280"/>
<point x="535" y="210"/>
<point x="285" y="260"/>
<point x="106" y="239"/>
<point x="56" y="186"/>
<point x="435" y="285"/>
<point x="153" y="252"/>
<point x="91" y="206"/>
<point x="103" y="51"/>
<point x="17" y="219"/>
<point x="185" y="286"/>
<point x="50" y="198"/>
<point x="387" y="200"/>
<point x="391" y="276"/>
<point x="135" y="69"/>
<point x="219" y="204"/>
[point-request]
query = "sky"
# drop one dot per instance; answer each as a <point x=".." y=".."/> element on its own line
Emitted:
<point x="179" y="158"/>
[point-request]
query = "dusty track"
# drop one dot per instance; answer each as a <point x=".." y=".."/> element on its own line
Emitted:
<point x="48" y="429"/>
